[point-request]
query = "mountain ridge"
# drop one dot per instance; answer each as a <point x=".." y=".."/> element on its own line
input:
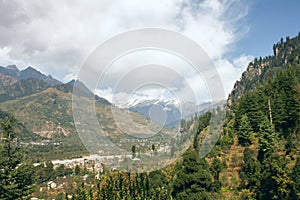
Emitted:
<point x="29" y="72"/>
<point x="285" y="53"/>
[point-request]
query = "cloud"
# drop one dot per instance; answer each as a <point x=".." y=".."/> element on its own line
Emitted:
<point x="57" y="36"/>
<point x="231" y="71"/>
<point x="242" y="61"/>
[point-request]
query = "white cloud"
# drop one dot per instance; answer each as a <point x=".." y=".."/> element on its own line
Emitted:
<point x="242" y="61"/>
<point x="105" y="93"/>
<point x="56" y="36"/>
<point x="231" y="71"/>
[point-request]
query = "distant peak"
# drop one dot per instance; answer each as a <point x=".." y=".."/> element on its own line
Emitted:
<point x="31" y="72"/>
<point x="80" y="85"/>
<point x="30" y="68"/>
<point x="12" y="67"/>
<point x="78" y="82"/>
<point x="72" y="82"/>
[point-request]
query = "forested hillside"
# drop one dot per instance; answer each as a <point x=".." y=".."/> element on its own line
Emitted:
<point x="265" y="121"/>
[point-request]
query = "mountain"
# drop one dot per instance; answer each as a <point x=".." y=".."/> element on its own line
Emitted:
<point x="46" y="110"/>
<point x="40" y="102"/>
<point x="49" y="114"/>
<point x="162" y="112"/>
<point x="10" y="70"/>
<point x="81" y="87"/>
<point x="169" y="112"/>
<point x="19" y="88"/>
<point x="262" y="128"/>
<point x="28" y="73"/>
<point x="33" y="73"/>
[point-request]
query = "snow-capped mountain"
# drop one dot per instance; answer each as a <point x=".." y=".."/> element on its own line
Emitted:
<point x="162" y="112"/>
<point x="168" y="112"/>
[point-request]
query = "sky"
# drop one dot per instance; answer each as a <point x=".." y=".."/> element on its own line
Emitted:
<point x="268" y="21"/>
<point x="56" y="37"/>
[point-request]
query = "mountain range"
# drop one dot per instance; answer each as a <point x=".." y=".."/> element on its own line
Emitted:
<point x="43" y="106"/>
<point x="23" y="90"/>
<point x="172" y="110"/>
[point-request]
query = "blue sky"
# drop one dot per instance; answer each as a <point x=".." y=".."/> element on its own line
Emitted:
<point x="268" y="21"/>
<point x="56" y="37"/>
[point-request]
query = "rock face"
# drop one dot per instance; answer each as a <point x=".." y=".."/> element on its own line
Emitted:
<point x="285" y="54"/>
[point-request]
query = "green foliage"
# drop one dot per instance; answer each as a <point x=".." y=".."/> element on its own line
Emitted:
<point x="296" y="180"/>
<point x="16" y="176"/>
<point x="250" y="173"/>
<point x="44" y="172"/>
<point x="228" y="132"/>
<point x="203" y="123"/>
<point x="193" y="180"/>
<point x="77" y="170"/>
<point x="133" y="150"/>
<point x="120" y="185"/>
<point x="267" y="139"/>
<point x="269" y="95"/>
<point x="261" y="70"/>
<point x="275" y="182"/>
<point x="245" y="131"/>
<point x="216" y="168"/>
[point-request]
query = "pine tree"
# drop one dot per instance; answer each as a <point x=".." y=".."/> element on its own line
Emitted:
<point x="133" y="150"/>
<point x="267" y="139"/>
<point x="296" y="180"/>
<point x="16" y="177"/>
<point x="77" y="170"/>
<point x="245" y="131"/>
<point x="193" y="179"/>
<point x="250" y="172"/>
<point x="216" y="168"/>
<point x="275" y="182"/>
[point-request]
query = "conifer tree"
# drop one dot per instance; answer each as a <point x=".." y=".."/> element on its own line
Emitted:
<point x="250" y="173"/>
<point x="267" y="139"/>
<point x="16" y="177"/>
<point x="245" y="131"/>
<point x="296" y="179"/>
